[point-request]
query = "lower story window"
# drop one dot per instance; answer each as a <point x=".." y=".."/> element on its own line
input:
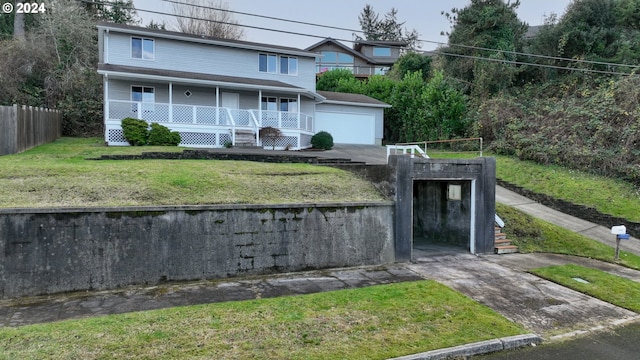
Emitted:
<point x="143" y="93"/>
<point x="289" y="105"/>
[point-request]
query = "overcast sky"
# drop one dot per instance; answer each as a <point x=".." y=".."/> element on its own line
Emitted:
<point x="422" y="15"/>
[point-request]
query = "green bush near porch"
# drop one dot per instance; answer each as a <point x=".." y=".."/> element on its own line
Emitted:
<point x="138" y="133"/>
<point x="322" y="140"/>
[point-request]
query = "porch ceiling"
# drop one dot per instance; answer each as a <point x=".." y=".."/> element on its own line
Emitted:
<point x="185" y="77"/>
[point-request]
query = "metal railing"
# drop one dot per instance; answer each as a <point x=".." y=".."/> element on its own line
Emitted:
<point x="422" y="148"/>
<point x="404" y="149"/>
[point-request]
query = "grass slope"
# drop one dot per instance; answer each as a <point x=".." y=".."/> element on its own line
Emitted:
<point x="57" y="175"/>
<point x="535" y="235"/>
<point x="369" y="323"/>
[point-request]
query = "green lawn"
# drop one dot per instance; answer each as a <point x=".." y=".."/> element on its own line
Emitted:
<point x="610" y="288"/>
<point x="58" y="175"/>
<point x="376" y="322"/>
<point x="535" y="235"/>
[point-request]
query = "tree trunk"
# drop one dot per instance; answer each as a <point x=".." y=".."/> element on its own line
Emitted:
<point x="18" y="23"/>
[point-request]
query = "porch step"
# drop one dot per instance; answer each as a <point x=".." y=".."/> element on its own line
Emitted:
<point x="501" y="244"/>
<point x="506" y="249"/>
<point x="245" y="138"/>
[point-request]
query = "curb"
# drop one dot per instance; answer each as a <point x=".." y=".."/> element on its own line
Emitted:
<point x="482" y="347"/>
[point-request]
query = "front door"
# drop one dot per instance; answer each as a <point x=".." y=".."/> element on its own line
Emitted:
<point x="230" y="101"/>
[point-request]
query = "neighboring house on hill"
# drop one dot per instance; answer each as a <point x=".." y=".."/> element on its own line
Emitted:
<point x="365" y="59"/>
<point x="212" y="91"/>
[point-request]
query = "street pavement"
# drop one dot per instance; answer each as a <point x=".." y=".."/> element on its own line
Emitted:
<point x="500" y="282"/>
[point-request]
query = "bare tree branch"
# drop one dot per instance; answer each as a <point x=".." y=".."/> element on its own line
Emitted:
<point x="218" y="23"/>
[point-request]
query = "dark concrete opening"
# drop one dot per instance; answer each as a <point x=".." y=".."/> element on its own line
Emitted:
<point x="465" y="218"/>
<point x="442" y="214"/>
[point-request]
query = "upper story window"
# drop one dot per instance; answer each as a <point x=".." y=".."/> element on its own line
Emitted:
<point x="334" y="60"/>
<point x="268" y="63"/>
<point x="142" y="48"/>
<point x="288" y="65"/>
<point x="381" y="51"/>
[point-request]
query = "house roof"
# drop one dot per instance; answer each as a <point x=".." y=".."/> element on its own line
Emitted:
<point x="358" y="44"/>
<point x="137" y="30"/>
<point x="129" y="72"/>
<point x="329" y="41"/>
<point x="351" y="99"/>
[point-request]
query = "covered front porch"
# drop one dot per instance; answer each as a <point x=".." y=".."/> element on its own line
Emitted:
<point x="209" y="114"/>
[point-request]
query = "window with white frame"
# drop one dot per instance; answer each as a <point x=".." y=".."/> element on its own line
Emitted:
<point x="269" y="103"/>
<point x="288" y="65"/>
<point x="268" y="63"/>
<point x="143" y="94"/>
<point x="288" y="105"/>
<point x="144" y="98"/>
<point x="142" y="48"/>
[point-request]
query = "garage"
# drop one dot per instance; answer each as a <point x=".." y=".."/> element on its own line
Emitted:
<point x="350" y="118"/>
<point x="347" y="128"/>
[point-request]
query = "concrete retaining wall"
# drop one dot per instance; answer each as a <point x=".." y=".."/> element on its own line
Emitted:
<point x="51" y="250"/>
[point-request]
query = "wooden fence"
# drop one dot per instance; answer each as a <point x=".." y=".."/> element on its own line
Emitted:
<point x="24" y="127"/>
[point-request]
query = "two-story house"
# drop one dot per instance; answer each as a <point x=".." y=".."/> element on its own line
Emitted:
<point x="366" y="58"/>
<point x="215" y="91"/>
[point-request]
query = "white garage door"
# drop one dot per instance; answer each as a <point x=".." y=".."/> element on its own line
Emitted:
<point x="347" y="128"/>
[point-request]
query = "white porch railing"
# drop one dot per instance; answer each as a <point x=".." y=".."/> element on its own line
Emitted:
<point x="209" y="126"/>
<point x="208" y="115"/>
<point x="284" y="120"/>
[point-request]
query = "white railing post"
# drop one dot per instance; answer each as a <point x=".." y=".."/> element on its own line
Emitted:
<point x="139" y="106"/>
<point x="233" y="126"/>
<point x="195" y="114"/>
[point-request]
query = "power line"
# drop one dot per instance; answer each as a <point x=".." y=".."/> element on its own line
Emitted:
<point x="351" y="41"/>
<point x="419" y="40"/>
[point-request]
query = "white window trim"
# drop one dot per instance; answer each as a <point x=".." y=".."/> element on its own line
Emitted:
<point x="288" y="57"/>
<point x="277" y="63"/>
<point x="153" y="41"/>
<point x="143" y="87"/>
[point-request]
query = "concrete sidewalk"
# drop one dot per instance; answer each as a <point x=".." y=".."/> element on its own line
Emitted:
<point x="588" y="229"/>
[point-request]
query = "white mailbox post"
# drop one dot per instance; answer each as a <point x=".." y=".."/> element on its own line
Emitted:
<point x="621" y="234"/>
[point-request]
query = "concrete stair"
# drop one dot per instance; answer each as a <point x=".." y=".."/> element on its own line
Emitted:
<point x="502" y="245"/>
<point x="245" y="138"/>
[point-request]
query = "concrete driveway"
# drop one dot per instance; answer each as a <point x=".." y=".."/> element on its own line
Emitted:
<point x="502" y="283"/>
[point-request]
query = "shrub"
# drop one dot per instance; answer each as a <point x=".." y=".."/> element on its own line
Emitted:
<point x="136" y="131"/>
<point x="271" y="134"/>
<point x="322" y="140"/>
<point x="160" y="135"/>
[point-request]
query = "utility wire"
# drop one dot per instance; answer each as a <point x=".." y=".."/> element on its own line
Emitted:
<point x="419" y="40"/>
<point x="351" y="41"/>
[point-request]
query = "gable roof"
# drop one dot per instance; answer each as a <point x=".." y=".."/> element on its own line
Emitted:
<point x="330" y="41"/>
<point x="175" y="35"/>
<point x="338" y="98"/>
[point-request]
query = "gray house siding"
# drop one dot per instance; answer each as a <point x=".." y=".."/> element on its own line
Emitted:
<point x="200" y="95"/>
<point x="201" y="58"/>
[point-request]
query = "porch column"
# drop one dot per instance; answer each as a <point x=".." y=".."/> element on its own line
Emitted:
<point x="170" y="101"/>
<point x="106" y="103"/>
<point x="217" y="105"/>
<point x="299" y="118"/>
<point x="259" y="107"/>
